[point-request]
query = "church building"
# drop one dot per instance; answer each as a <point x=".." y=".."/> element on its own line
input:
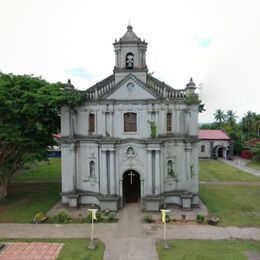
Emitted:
<point x="133" y="140"/>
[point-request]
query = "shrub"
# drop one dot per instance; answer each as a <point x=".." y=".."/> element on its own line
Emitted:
<point x="148" y="219"/>
<point x="61" y="217"/>
<point x="111" y="216"/>
<point x="167" y="218"/>
<point x="39" y="217"/>
<point x="200" y="218"/>
<point x="89" y="217"/>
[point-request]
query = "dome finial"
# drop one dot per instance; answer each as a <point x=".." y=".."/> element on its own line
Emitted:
<point x="191" y="84"/>
<point x="129" y="26"/>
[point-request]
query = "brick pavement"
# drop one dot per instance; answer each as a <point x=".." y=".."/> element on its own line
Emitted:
<point x="31" y="251"/>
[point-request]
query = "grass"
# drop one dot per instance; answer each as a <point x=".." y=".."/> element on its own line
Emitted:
<point x="25" y="200"/>
<point x="72" y="249"/>
<point x="44" y="171"/>
<point x="204" y="249"/>
<point x="254" y="164"/>
<point x="212" y="170"/>
<point x="234" y="205"/>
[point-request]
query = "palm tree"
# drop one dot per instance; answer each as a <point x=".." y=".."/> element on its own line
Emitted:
<point x="247" y="122"/>
<point x="231" y="118"/>
<point x="256" y="124"/>
<point x="219" y="116"/>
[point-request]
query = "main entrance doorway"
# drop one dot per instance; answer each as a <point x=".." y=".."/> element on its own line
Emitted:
<point x="131" y="186"/>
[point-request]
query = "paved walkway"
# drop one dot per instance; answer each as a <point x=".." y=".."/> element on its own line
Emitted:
<point x="240" y="163"/>
<point x="29" y="251"/>
<point x="129" y="238"/>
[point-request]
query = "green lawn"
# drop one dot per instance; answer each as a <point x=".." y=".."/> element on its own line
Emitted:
<point x="204" y="249"/>
<point x="25" y="200"/>
<point x="213" y="170"/>
<point x="72" y="249"/>
<point x="255" y="165"/>
<point x="234" y="205"/>
<point x="44" y="171"/>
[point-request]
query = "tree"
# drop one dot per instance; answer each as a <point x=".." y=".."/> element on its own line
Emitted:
<point x="255" y="150"/>
<point x="247" y="123"/>
<point x="220" y="116"/>
<point x="256" y="124"/>
<point x="29" y="109"/>
<point x="231" y="118"/>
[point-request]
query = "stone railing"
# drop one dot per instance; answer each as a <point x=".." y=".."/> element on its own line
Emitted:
<point x="165" y="90"/>
<point x="100" y="88"/>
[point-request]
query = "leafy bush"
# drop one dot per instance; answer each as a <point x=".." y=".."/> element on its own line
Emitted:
<point x="40" y="217"/>
<point x="200" y="218"/>
<point x="153" y="129"/>
<point x="111" y="216"/>
<point x="192" y="99"/>
<point x="148" y="219"/>
<point x="89" y="217"/>
<point x="167" y="218"/>
<point x="61" y="217"/>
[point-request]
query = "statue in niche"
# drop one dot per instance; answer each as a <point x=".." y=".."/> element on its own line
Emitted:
<point x="129" y="61"/>
<point x="130" y="152"/>
<point x="170" y="169"/>
<point x="92" y="170"/>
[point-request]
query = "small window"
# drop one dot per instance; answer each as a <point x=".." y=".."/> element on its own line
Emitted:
<point x="129" y="60"/>
<point x="202" y="148"/>
<point x="169" y="122"/>
<point x="91" y="122"/>
<point x="130" y="122"/>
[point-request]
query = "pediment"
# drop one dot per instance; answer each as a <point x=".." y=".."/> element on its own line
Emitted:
<point x="131" y="88"/>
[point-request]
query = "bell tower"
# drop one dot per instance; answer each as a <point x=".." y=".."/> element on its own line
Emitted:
<point x="130" y="56"/>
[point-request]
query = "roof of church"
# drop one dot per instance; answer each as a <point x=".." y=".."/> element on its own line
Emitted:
<point x="156" y="87"/>
<point x="213" y="135"/>
<point x="130" y="37"/>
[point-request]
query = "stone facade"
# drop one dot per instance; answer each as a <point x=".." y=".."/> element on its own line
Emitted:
<point x="155" y="162"/>
<point x="215" y="144"/>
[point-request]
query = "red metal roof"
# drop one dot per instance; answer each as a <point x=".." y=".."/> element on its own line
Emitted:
<point x="213" y="135"/>
<point x="58" y="136"/>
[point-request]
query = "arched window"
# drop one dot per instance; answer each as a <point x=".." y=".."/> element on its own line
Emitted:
<point x="202" y="148"/>
<point x="92" y="169"/>
<point x="130" y="122"/>
<point x="169" y="122"/>
<point x="129" y="60"/>
<point x="91" y="123"/>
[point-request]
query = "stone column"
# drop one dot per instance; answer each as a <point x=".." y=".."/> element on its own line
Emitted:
<point x="73" y="180"/>
<point x="187" y="166"/>
<point x="103" y="173"/>
<point x="112" y="173"/>
<point x="142" y="192"/>
<point x="157" y="172"/>
<point x="121" y="192"/>
<point x="149" y="173"/>
<point x="187" y="122"/>
<point x="111" y="124"/>
<point x="225" y="153"/>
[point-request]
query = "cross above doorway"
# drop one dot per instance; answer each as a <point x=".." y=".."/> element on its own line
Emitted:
<point x="131" y="177"/>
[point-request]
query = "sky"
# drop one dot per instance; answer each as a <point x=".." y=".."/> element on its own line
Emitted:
<point x="217" y="43"/>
